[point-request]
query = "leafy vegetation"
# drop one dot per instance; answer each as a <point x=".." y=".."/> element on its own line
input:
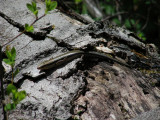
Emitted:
<point x="33" y="8"/>
<point x="50" y="5"/>
<point x="139" y="16"/>
<point x="29" y="28"/>
<point x="13" y="95"/>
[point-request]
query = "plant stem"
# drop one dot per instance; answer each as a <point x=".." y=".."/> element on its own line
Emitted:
<point x="1" y="81"/>
<point x="38" y="19"/>
<point x="12" y="75"/>
<point x="25" y="30"/>
<point x="14" y="38"/>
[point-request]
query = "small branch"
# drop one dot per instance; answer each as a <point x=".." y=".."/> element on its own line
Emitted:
<point x="12" y="75"/>
<point x="18" y="25"/>
<point x="117" y="3"/>
<point x="115" y="15"/>
<point x="13" y="38"/>
<point x="147" y="20"/>
<point x="38" y="19"/>
<point x="21" y="27"/>
<point x="1" y="81"/>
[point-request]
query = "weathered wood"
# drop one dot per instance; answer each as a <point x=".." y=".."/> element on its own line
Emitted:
<point x="86" y="88"/>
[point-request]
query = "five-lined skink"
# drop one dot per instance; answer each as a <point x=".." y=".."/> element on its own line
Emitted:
<point x="66" y="57"/>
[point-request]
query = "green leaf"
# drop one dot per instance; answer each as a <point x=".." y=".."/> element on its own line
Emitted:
<point x="33" y="8"/>
<point x="50" y="5"/>
<point x="16" y="72"/>
<point x="116" y="21"/>
<point x="53" y="5"/>
<point x="21" y="95"/>
<point x="109" y="10"/>
<point x="26" y="26"/>
<point x="30" y="7"/>
<point x="46" y="11"/>
<point x="8" y="61"/>
<point x="15" y="97"/>
<point x="84" y="9"/>
<point x="10" y="106"/>
<point x="29" y="28"/>
<point x="77" y="1"/>
<point x="141" y="35"/>
<point x="7" y="107"/>
<point x="132" y="21"/>
<point x="11" y="89"/>
<point x="138" y="26"/>
<point x="9" y="55"/>
<point x="34" y="5"/>
<point x="13" y="53"/>
<point x="47" y="2"/>
<point x="127" y="23"/>
<point x="36" y="13"/>
<point x="18" y="96"/>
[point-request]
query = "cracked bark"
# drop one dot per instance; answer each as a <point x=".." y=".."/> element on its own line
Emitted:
<point x="89" y="89"/>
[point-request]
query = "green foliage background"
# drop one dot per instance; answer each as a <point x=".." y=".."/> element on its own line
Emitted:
<point x="140" y="16"/>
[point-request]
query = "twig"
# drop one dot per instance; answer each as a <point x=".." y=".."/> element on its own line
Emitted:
<point x="115" y="15"/>
<point x="20" y="27"/>
<point x="13" y="38"/>
<point x="1" y="81"/>
<point x="38" y="19"/>
<point x="117" y="9"/>
<point x="12" y="75"/>
<point x="148" y="15"/>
